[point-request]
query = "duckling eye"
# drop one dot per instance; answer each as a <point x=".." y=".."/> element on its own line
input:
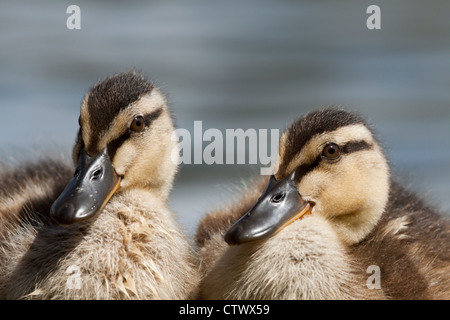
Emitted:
<point x="331" y="151"/>
<point x="137" y="124"/>
<point x="277" y="198"/>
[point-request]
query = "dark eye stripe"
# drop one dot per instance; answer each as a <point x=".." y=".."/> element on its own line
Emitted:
<point x="149" y="118"/>
<point x="354" y="146"/>
<point x="304" y="169"/>
<point x="115" y="144"/>
<point x="349" y="147"/>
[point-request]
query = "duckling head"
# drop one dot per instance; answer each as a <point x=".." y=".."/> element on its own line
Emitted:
<point x="124" y="141"/>
<point x="329" y="165"/>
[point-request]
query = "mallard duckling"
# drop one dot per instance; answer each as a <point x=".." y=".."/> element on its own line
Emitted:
<point x="110" y="233"/>
<point x="330" y="224"/>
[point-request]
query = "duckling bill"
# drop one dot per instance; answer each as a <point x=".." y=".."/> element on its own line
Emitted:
<point x="279" y="205"/>
<point x="93" y="184"/>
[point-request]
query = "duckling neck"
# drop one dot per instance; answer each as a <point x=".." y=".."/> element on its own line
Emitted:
<point x="156" y="189"/>
<point x="144" y="194"/>
<point x="355" y="226"/>
<point x="143" y="204"/>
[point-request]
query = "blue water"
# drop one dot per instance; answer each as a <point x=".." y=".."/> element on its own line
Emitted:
<point x="236" y="64"/>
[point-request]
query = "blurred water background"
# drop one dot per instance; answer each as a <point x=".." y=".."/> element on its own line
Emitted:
<point x="236" y="64"/>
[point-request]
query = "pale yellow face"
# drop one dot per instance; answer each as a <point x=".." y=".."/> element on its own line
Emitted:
<point x="140" y="157"/>
<point x="349" y="187"/>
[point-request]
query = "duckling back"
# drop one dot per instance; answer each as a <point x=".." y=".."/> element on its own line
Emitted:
<point x="26" y="195"/>
<point x="28" y="190"/>
<point x="411" y="246"/>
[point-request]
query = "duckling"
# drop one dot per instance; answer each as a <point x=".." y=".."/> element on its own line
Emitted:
<point x="330" y="223"/>
<point x="110" y="233"/>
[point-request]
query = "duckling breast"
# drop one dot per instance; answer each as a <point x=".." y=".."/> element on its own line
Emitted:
<point x="305" y="260"/>
<point x="131" y="250"/>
